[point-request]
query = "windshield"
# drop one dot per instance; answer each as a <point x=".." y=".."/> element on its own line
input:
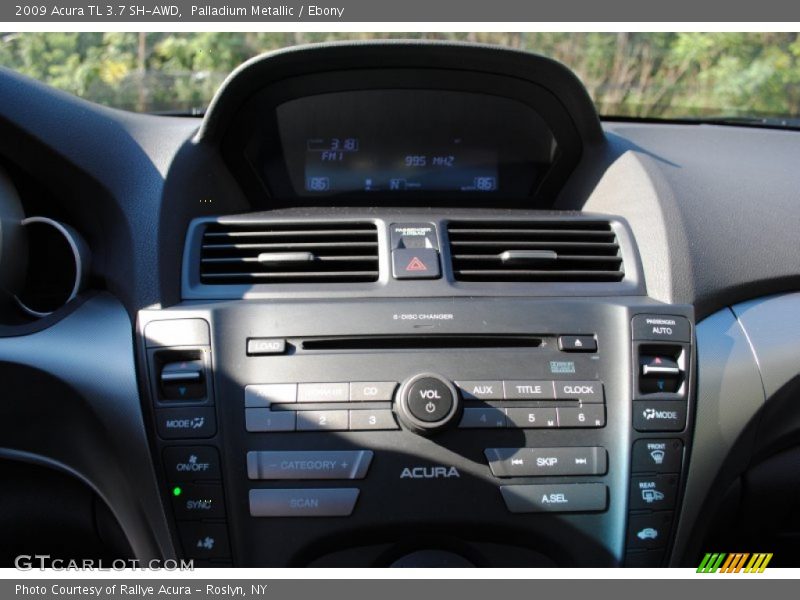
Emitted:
<point x="642" y="75"/>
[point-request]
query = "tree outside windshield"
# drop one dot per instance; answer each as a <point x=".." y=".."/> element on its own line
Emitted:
<point x="644" y="75"/>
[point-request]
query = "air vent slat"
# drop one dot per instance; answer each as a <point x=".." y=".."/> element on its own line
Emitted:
<point x="265" y="253"/>
<point x="531" y="251"/>
<point x="255" y="261"/>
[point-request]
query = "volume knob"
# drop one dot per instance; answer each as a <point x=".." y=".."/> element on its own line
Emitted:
<point x="428" y="402"/>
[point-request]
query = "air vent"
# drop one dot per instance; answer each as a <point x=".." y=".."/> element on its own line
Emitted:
<point x="273" y="253"/>
<point x="535" y="251"/>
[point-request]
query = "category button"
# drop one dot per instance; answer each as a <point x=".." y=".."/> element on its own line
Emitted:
<point x="323" y="392"/>
<point x="565" y="497"/>
<point x="334" y="464"/>
<point x="372" y="391"/>
<point x="529" y="390"/>
<point x="585" y="391"/>
<point x="188" y="463"/>
<point x="327" y="502"/>
<point x="659" y="456"/>
<point x="480" y="390"/>
<point x="535" y="462"/>
<point x="654" y="493"/>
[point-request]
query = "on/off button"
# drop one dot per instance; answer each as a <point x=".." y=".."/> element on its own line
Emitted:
<point x="429" y="399"/>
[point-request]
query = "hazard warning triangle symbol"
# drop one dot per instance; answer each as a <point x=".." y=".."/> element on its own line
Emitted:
<point x="415" y="264"/>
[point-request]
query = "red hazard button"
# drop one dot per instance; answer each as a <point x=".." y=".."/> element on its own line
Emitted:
<point x="415" y="263"/>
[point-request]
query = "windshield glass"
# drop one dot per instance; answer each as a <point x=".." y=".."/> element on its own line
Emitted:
<point x="643" y="75"/>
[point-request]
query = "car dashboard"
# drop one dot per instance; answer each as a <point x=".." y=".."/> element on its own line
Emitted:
<point x="396" y="305"/>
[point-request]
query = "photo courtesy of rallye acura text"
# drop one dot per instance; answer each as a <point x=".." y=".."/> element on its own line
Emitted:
<point x="138" y="590"/>
<point x="484" y="300"/>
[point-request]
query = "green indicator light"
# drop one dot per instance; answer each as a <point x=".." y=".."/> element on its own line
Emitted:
<point x="177" y="491"/>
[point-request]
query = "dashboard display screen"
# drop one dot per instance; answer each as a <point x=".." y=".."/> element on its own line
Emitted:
<point x="379" y="142"/>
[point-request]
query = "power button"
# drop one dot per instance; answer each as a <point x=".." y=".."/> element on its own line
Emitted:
<point x="428" y="402"/>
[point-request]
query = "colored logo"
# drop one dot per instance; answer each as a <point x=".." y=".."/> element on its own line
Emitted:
<point x="719" y="562"/>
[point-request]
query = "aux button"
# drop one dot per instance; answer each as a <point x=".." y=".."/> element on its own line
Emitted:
<point x="428" y="402"/>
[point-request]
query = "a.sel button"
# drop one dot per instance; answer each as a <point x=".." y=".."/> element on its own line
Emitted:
<point x="648" y="531"/>
<point x="204" y="540"/>
<point x="585" y="391"/>
<point x="565" y="497"/>
<point x="177" y="423"/>
<point x="660" y="456"/>
<point x="532" y="462"/>
<point x="187" y="463"/>
<point x="659" y="415"/>
<point x="199" y="502"/>
<point x="656" y="492"/>
<point x="327" y="502"/>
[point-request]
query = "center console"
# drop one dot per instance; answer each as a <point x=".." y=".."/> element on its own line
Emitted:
<point x="429" y="431"/>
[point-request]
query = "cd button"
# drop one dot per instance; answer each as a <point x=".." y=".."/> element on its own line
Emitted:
<point x="372" y="391"/>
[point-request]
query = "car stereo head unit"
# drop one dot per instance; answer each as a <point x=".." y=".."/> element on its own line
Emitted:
<point x="528" y="432"/>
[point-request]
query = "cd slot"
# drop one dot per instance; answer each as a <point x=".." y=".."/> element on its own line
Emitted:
<point x="420" y="342"/>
